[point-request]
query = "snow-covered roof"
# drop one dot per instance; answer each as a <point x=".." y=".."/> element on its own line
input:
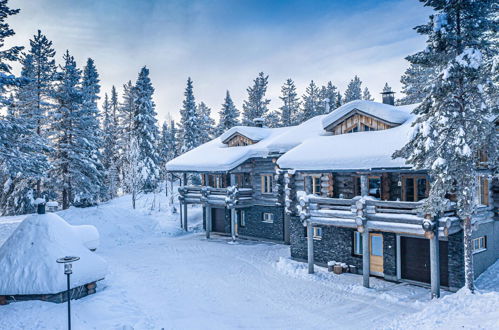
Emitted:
<point x="218" y="157"/>
<point x="353" y="151"/>
<point x="385" y="112"/>
<point x="252" y="133"/>
<point x="28" y="257"/>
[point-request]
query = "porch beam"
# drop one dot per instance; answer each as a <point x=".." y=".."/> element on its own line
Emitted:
<point x="435" y="266"/>
<point x="366" y="259"/>
<point x="310" y="248"/>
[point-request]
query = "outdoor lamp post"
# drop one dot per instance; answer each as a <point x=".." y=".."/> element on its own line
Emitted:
<point x="68" y="270"/>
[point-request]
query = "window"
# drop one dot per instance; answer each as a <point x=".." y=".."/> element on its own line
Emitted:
<point x="268" y="217"/>
<point x="243" y="180"/>
<point x="483" y="191"/>
<point x="366" y="128"/>
<point x="242" y="218"/>
<point x="312" y="184"/>
<point x="216" y="180"/>
<point x="374" y="186"/>
<point x="479" y="244"/>
<point x="357" y="243"/>
<point x="317" y="233"/>
<point x="266" y="183"/>
<point x="414" y="188"/>
<point x="353" y="130"/>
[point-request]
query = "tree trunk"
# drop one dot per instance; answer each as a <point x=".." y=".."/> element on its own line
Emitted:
<point x="468" y="255"/>
<point x="133" y="199"/>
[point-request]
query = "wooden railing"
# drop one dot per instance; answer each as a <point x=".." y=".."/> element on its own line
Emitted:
<point x="367" y="212"/>
<point x="222" y="197"/>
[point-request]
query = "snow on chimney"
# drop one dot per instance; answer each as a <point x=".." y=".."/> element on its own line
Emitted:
<point x="388" y="95"/>
<point x="258" y="122"/>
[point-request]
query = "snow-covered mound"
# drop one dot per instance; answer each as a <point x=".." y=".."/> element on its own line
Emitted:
<point x="28" y="257"/>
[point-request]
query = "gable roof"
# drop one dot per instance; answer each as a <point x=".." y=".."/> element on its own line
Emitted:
<point x="354" y="151"/>
<point x="255" y="134"/>
<point x="384" y="112"/>
<point x="215" y="156"/>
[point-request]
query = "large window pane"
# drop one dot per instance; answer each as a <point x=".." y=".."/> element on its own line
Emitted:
<point x="421" y="189"/>
<point x="376" y="246"/>
<point x="409" y="189"/>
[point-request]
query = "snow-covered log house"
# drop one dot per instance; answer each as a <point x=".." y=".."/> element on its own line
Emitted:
<point x="331" y="189"/>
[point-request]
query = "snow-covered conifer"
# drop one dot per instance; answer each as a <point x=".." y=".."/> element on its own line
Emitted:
<point x="311" y="102"/>
<point x="272" y="119"/>
<point x="366" y="95"/>
<point x="454" y="117"/>
<point x="415" y="82"/>
<point x="354" y="90"/>
<point x="256" y="106"/>
<point x="229" y="115"/>
<point x="290" y="103"/>
<point x="145" y="129"/>
<point x="206" y="123"/>
<point x="189" y="133"/>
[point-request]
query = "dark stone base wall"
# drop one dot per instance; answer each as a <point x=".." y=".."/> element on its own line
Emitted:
<point x="75" y="293"/>
<point x="336" y="244"/>
<point x="390" y="255"/>
<point x="456" y="260"/>
<point x="255" y="227"/>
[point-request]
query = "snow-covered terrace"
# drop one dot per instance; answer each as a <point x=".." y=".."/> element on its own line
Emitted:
<point x="216" y="156"/>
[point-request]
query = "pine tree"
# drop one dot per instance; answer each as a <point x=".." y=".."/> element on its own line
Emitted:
<point x="354" y="90"/>
<point x="109" y="150"/>
<point x="366" y="95"/>
<point x="145" y="129"/>
<point x="229" y="115"/>
<point x="311" y="102"/>
<point x="415" y="82"/>
<point x="329" y="95"/>
<point x="272" y="119"/>
<point x="44" y="70"/>
<point x="339" y="100"/>
<point x="291" y="104"/>
<point x="125" y="117"/>
<point x="256" y="106"/>
<point x="66" y="157"/>
<point x="189" y="122"/>
<point x="453" y="123"/>
<point x="206" y="123"/>
<point x="7" y="55"/>
<point x="172" y="142"/>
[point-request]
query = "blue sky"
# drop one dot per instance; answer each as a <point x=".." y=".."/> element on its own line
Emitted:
<point x="224" y="44"/>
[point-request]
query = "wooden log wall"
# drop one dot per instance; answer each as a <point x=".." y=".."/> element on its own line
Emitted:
<point x="358" y="120"/>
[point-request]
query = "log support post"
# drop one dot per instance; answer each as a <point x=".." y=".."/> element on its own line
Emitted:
<point x="287" y="224"/>
<point x="366" y="267"/>
<point x="185" y="216"/>
<point x="181" y="214"/>
<point x="310" y="248"/>
<point x="233" y="221"/>
<point x="364" y="185"/>
<point x="435" y="266"/>
<point x="208" y="222"/>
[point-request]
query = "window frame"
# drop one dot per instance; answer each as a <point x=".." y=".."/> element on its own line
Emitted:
<point x="358" y="188"/>
<point x="317" y="233"/>
<point x="357" y="240"/>
<point x="482" y="244"/>
<point x="483" y="191"/>
<point x="269" y="215"/>
<point x="266" y="183"/>
<point x="316" y="186"/>
<point x="242" y="218"/>
<point x="415" y="178"/>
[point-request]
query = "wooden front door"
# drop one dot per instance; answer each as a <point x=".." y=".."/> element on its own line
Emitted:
<point x="376" y="253"/>
<point x="218" y="220"/>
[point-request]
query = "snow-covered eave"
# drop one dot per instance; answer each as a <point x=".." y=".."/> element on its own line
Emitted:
<point x="360" y="169"/>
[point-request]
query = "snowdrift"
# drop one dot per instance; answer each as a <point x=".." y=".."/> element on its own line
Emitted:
<point x="28" y="257"/>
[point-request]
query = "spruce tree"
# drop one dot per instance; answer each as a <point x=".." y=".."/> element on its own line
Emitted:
<point x="42" y="54"/>
<point x="354" y="90"/>
<point x="229" y="115"/>
<point x="124" y="126"/>
<point x="291" y="104"/>
<point x="329" y="95"/>
<point x="454" y="117"/>
<point x="311" y="102"/>
<point x="66" y="156"/>
<point x="189" y="121"/>
<point x="109" y="152"/>
<point x="415" y="82"/>
<point x="206" y="123"/>
<point x="366" y="95"/>
<point x="256" y="106"/>
<point x="272" y="120"/>
<point x="173" y="148"/>
<point x="145" y="130"/>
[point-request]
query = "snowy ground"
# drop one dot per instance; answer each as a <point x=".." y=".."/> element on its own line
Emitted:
<point x="161" y="277"/>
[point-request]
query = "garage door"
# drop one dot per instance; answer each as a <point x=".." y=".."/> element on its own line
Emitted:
<point x="415" y="257"/>
<point x="218" y="220"/>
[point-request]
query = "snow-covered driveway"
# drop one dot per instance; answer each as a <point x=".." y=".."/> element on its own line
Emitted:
<point x="162" y="278"/>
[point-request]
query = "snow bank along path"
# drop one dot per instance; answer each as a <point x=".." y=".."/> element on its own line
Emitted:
<point x="160" y="277"/>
